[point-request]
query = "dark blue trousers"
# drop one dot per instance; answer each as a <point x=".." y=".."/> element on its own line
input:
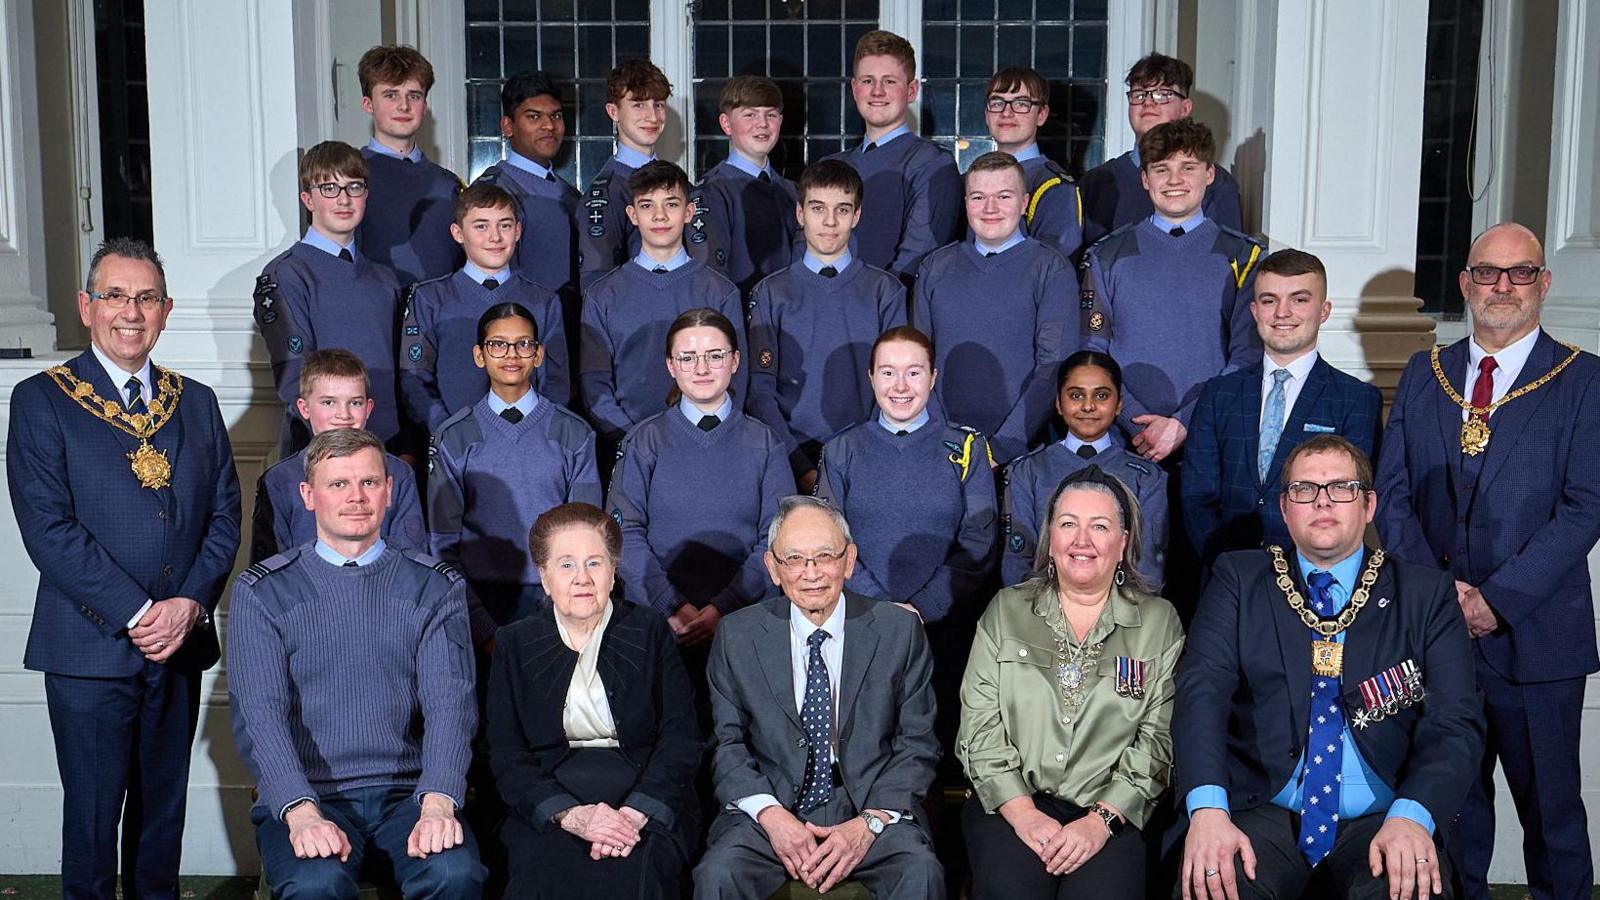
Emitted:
<point x="1533" y="732"/>
<point x="377" y="821"/>
<point x="122" y="746"/>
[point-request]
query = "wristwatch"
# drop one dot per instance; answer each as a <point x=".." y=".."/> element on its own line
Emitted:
<point x="874" y="824"/>
<point x="1113" y="821"/>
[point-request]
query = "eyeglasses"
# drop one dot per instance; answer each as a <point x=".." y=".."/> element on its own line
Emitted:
<point x="1158" y="96"/>
<point x="1338" y="491"/>
<point x="1019" y="105"/>
<point x="1517" y="274"/>
<point x="795" y="562"/>
<point x="149" y="301"/>
<point x="331" y="190"/>
<point x="715" y="359"/>
<point x="498" y="348"/>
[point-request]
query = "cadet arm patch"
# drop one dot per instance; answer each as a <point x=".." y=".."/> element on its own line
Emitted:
<point x="765" y="358"/>
<point x="296" y="344"/>
<point x="1017" y="543"/>
<point x="1097" y="321"/>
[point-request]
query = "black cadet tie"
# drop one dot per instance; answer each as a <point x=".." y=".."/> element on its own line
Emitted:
<point x="871" y="147"/>
<point x="1177" y="232"/>
<point x="659" y="270"/>
<point x="764" y="177"/>
<point x="828" y="272"/>
<point x="1086" y="451"/>
<point x="901" y="433"/>
<point x="549" y="176"/>
<point x="491" y="283"/>
<point x="352" y="564"/>
<point x="135" y="389"/>
<point x="511" y="414"/>
<point x="345" y="255"/>
<point x="707" y="423"/>
<point x="991" y="253"/>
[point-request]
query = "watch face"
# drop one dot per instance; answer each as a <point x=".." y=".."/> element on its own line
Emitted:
<point x="874" y="824"/>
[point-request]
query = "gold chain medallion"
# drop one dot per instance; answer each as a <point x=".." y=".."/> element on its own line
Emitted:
<point x="1475" y="430"/>
<point x="1327" y="655"/>
<point x="149" y="465"/>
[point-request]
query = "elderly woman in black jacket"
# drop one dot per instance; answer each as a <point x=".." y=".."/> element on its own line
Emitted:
<point x="592" y="734"/>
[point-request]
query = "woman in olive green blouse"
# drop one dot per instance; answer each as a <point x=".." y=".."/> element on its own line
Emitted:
<point x="1065" y="708"/>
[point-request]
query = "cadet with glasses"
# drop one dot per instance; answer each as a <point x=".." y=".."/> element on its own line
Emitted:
<point x="1017" y="107"/>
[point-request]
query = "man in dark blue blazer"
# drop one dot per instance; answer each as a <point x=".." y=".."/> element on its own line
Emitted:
<point x="1328" y="722"/>
<point x="1506" y="500"/>
<point x="1246" y="423"/>
<point x="123" y="484"/>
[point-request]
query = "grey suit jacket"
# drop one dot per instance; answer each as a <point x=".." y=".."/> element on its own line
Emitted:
<point x="886" y="746"/>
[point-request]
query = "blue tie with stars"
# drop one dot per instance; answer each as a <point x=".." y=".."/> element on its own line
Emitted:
<point x="816" y="716"/>
<point x="1319" y="804"/>
<point x="1271" y="425"/>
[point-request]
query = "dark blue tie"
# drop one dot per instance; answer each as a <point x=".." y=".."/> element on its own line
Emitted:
<point x="135" y="390"/>
<point x="816" y="716"/>
<point x="1319" y="804"/>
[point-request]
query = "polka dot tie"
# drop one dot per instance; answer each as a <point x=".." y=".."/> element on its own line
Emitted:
<point x="1319" y="803"/>
<point x="816" y="717"/>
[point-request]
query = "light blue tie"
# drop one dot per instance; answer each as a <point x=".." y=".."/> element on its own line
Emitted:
<point x="1271" y="425"/>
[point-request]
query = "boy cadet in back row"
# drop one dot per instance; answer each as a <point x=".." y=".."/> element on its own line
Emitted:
<point x="1017" y="106"/>
<point x="748" y="208"/>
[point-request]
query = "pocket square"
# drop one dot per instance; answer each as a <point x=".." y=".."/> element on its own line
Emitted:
<point x="1320" y="429"/>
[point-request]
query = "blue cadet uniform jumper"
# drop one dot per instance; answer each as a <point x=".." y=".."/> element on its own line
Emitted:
<point x="811" y="336"/>
<point x="1001" y="319"/>
<point x="913" y="202"/>
<point x="1031" y="480"/>
<point x="749" y="212"/>
<point x="106" y="546"/>
<point x="493" y="468"/>
<point x="317" y="295"/>
<point x="694" y="503"/>
<point x="438" y="375"/>
<point x="353" y="688"/>
<point x="1113" y="196"/>
<point x="1054" y="215"/>
<point x="281" y="520"/>
<point x="606" y="239"/>
<point x="546" y="205"/>
<point x="921" y="508"/>
<point x="622" y="372"/>
<point x="411" y="203"/>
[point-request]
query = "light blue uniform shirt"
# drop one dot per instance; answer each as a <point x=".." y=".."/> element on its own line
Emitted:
<point x="479" y="275"/>
<point x="694" y="415"/>
<point x="317" y="239"/>
<point x="336" y="558"/>
<point x="527" y="403"/>
<point x="897" y="132"/>
<point x="1026" y="153"/>
<point x="630" y="157"/>
<point x="1016" y="238"/>
<point x="921" y="420"/>
<point x="817" y="265"/>
<point x="377" y="147"/>
<point x="748" y="166"/>
<point x="1189" y="224"/>
<point x="532" y="167"/>
<point x="649" y="264"/>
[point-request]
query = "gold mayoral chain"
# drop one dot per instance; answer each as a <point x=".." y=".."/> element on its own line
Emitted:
<point x="149" y="465"/>
<point x="1327" y="655"/>
<point x="1475" y="430"/>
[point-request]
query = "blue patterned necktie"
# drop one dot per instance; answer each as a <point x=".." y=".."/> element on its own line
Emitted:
<point x="135" y="389"/>
<point x="816" y="716"/>
<point x="1271" y="425"/>
<point x="1319" y="804"/>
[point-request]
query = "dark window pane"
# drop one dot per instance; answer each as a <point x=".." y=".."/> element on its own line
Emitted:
<point x="483" y="115"/>
<point x="520" y="11"/>
<point x="937" y="9"/>
<point x="1089" y="10"/>
<point x="592" y="118"/>
<point x="939" y="50"/>
<point x="713" y="11"/>
<point x="824" y="9"/>
<point x="1053" y="50"/>
<point x="749" y="49"/>
<point x="1088" y="51"/>
<point x="862" y="9"/>
<point x="745" y="10"/>
<point x="939" y="108"/>
<point x="594" y="51"/>
<point x="786" y="60"/>
<point x="971" y="113"/>
<point x="521" y="45"/>
<point x="977" y="51"/>
<point x="1014" y="45"/>
<point x="825" y="51"/>
<point x="483" y="52"/>
<point x="555" y="10"/>
<point x="633" y="41"/>
<point x="483" y="10"/>
<point x="636" y="10"/>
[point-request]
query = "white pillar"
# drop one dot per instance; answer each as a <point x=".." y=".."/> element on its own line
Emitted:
<point x="1342" y="170"/>
<point x="24" y="320"/>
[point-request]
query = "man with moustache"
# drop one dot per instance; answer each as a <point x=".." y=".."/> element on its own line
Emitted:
<point x="1488" y="472"/>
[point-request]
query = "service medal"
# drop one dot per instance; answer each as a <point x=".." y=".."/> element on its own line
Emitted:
<point x="1327" y="658"/>
<point x="151" y="466"/>
<point x="1474" y="436"/>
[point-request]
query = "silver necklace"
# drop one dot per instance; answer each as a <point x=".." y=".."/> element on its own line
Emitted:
<point x="1075" y="666"/>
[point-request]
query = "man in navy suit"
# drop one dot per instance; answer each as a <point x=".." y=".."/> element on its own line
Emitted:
<point x="1489" y="472"/>
<point x="1328" y="721"/>
<point x="123" y="484"/>
<point x="1246" y="423"/>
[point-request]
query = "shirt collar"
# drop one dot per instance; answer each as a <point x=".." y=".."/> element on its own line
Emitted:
<point x="1029" y="152"/>
<point x="525" y="404"/>
<point x="747" y="165"/>
<point x="336" y="558"/>
<point x="816" y="265"/>
<point x="1016" y="238"/>
<point x="378" y="147"/>
<point x="328" y="245"/>
<point x="801" y="628"/>
<point x="896" y="132"/>
<point x="1511" y="358"/>
<point x="478" y="275"/>
<point x="1299" y="370"/>
<point x="517" y="160"/>
<point x="630" y="157"/>
<point x="589" y="656"/>
<point x="119" y="377"/>
<point x="694" y="415"/>
<point x="1134" y="154"/>
<point x="1344" y="572"/>
<point x="1189" y="224"/>
<point x="1100" y="444"/>
<point x="649" y="263"/>
<point x="911" y="426"/>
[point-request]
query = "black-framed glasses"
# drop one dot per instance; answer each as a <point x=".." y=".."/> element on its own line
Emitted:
<point x="1019" y="105"/>
<point x="149" y="301"/>
<point x="1158" y="96"/>
<point x="796" y="562"/>
<point x="330" y="190"/>
<point x="498" y="349"/>
<point x="1338" y="491"/>
<point x="715" y="359"/>
<point x="1491" y="274"/>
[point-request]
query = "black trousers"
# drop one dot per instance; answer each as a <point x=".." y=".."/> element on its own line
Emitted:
<point x="1005" y="867"/>
<point x="1282" y="872"/>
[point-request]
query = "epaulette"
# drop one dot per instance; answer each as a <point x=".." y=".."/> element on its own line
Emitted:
<point x="1058" y="177"/>
<point x="434" y="563"/>
<point x="1112" y="239"/>
<point x="1243" y="256"/>
<point x="490" y="175"/>
<point x="1138" y="466"/>
<point x="277" y="563"/>
<point x="265" y="283"/>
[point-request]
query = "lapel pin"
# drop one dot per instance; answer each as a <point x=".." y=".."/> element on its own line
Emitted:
<point x="1383" y="602"/>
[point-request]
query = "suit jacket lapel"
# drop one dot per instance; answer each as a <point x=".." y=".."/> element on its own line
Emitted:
<point x="1294" y="639"/>
<point x="1510" y="421"/>
<point x="1316" y="380"/>
<point x="860" y="645"/>
<point x="772" y="649"/>
<point x="1453" y="360"/>
<point x="1361" y="643"/>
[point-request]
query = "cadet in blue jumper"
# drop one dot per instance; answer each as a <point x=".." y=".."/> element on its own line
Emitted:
<point x="437" y="376"/>
<point x="496" y="466"/>
<point x="322" y="292"/>
<point x="1089" y="399"/>
<point x="748" y="208"/>
<point x="1017" y="106"/>
<point x="410" y="197"/>
<point x="913" y="194"/>
<point x="999" y="310"/>
<point x="813" y="324"/>
<point x="352" y="696"/>
<point x="627" y="313"/>
<point x="1159" y="87"/>
<point x="696" y="486"/>
<point x="334" y="393"/>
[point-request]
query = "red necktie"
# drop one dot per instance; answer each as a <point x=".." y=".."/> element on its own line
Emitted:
<point x="1483" y="388"/>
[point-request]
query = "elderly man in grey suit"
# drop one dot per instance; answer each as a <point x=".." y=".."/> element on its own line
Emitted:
<point x="823" y="719"/>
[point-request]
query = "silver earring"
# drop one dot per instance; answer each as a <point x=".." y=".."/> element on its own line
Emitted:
<point x="1050" y="569"/>
<point x="1121" y="576"/>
